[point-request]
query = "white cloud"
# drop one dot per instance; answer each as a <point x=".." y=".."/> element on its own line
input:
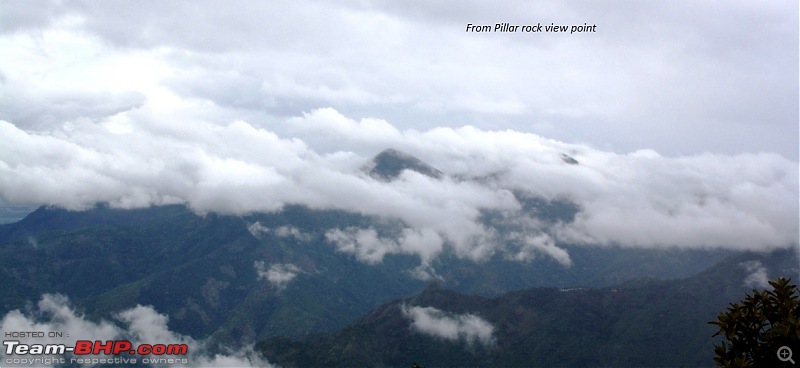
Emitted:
<point x="422" y="70"/>
<point x="640" y="199"/>
<point x="541" y="243"/>
<point x="290" y="232"/>
<point x="60" y="318"/>
<point x="245" y="357"/>
<point x="257" y="229"/>
<point x="758" y="275"/>
<point x="364" y="243"/>
<point x="437" y="323"/>
<point x="686" y="202"/>
<point x="278" y="274"/>
<point x="144" y="326"/>
<point x="100" y="108"/>
<point x="281" y="231"/>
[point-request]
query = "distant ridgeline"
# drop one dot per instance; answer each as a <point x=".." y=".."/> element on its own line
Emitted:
<point x="277" y="278"/>
<point x="639" y="323"/>
<point x="389" y="164"/>
<point x="11" y="213"/>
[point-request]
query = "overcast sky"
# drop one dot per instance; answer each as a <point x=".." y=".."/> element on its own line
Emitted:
<point x="683" y="115"/>
<point x="678" y="77"/>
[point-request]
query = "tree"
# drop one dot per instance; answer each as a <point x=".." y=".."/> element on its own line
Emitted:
<point x="756" y="327"/>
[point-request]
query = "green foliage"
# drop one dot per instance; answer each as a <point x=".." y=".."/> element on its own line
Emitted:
<point x="199" y="270"/>
<point x="648" y="323"/>
<point x="757" y="326"/>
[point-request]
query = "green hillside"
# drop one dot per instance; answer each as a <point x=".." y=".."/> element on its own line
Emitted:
<point x="203" y="270"/>
<point x="641" y="323"/>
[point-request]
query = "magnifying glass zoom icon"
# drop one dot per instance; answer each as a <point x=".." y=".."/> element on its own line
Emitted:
<point x="785" y="354"/>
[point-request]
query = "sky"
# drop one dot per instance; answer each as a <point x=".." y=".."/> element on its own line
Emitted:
<point x="683" y="116"/>
<point x="679" y="78"/>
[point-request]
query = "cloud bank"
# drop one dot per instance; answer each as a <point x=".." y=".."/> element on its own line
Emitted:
<point x="638" y="199"/>
<point x="653" y="75"/>
<point x="142" y="325"/>
<point x="234" y="109"/>
<point x="434" y="322"/>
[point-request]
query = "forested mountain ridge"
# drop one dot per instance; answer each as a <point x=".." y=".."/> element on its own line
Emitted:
<point x="640" y="323"/>
<point x="211" y="273"/>
<point x="300" y="271"/>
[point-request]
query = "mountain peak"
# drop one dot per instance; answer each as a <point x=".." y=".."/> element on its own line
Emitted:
<point x="569" y="159"/>
<point x="390" y="163"/>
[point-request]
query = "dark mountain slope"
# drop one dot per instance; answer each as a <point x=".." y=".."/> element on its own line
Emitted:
<point x="642" y="323"/>
<point x="390" y="163"/>
<point x="202" y="270"/>
<point x="48" y="219"/>
<point x="199" y="270"/>
<point x="14" y="213"/>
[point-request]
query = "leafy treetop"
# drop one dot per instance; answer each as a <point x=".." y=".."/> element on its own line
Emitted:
<point x="756" y="327"/>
